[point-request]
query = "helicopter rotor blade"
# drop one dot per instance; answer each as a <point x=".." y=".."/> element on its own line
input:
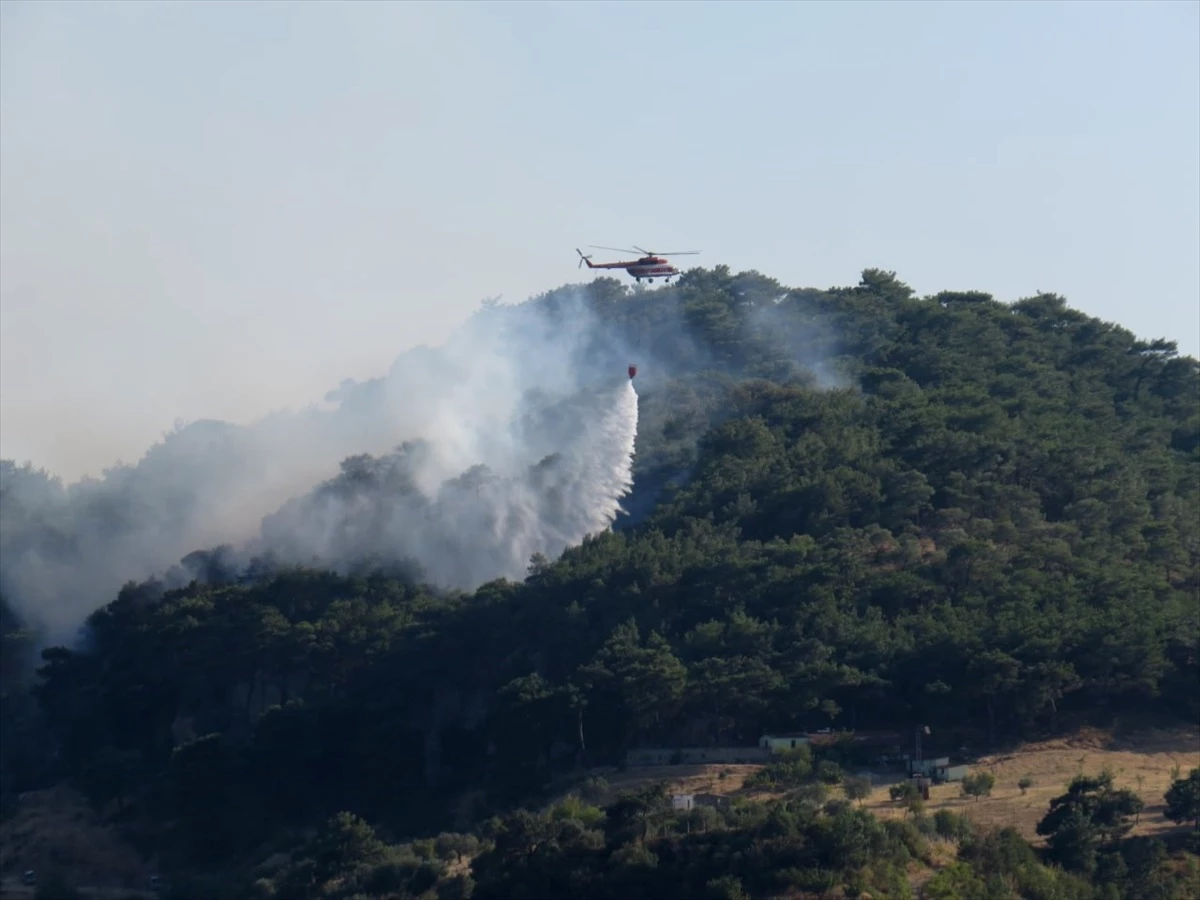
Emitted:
<point x="666" y="252"/>
<point x="613" y="249"/>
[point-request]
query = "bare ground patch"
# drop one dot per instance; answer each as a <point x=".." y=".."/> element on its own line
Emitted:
<point x="700" y="778"/>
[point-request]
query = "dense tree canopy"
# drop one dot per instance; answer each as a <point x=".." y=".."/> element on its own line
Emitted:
<point x="852" y="507"/>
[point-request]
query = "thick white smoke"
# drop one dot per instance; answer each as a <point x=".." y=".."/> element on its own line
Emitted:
<point x="526" y="392"/>
<point x="485" y="523"/>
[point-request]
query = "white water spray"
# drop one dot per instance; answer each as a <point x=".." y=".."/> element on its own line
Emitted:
<point x="484" y="524"/>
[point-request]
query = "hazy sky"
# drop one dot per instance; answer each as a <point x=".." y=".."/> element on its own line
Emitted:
<point x="217" y="209"/>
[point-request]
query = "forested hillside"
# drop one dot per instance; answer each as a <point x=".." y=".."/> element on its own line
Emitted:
<point x="852" y="508"/>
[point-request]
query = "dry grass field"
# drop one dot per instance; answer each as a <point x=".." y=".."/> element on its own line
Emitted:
<point x="1140" y="763"/>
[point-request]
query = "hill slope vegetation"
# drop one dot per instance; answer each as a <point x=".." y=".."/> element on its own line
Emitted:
<point x="853" y="508"/>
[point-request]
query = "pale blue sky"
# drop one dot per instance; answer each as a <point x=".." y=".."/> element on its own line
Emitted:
<point x="217" y="209"/>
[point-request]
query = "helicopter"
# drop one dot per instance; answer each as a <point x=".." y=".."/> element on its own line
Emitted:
<point x="652" y="265"/>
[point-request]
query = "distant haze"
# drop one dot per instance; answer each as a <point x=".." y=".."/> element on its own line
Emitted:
<point x="212" y="211"/>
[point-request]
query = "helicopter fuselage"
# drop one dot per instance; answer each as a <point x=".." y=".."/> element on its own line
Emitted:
<point x="651" y="267"/>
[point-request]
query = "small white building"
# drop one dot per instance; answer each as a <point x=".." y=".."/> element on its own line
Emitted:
<point x="683" y="801"/>
<point x="927" y="766"/>
<point x="777" y="742"/>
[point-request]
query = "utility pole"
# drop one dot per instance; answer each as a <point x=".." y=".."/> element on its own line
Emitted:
<point x="919" y="730"/>
<point x="922" y="780"/>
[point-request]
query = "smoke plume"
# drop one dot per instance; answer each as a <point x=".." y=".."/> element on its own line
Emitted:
<point x="514" y="438"/>
<point x="483" y="524"/>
